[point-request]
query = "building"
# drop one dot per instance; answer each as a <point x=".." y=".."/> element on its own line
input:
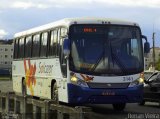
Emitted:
<point x="6" y="56"/>
<point x="149" y="59"/>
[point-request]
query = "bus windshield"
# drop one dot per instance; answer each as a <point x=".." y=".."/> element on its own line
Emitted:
<point x="106" y="49"/>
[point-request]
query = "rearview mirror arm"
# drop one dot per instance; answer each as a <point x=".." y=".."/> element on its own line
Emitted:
<point x="144" y="37"/>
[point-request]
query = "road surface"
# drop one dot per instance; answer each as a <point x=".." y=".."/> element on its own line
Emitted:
<point x="132" y="111"/>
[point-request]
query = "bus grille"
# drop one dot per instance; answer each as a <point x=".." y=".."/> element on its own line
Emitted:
<point x="107" y="85"/>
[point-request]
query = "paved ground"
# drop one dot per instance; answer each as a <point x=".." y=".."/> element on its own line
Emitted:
<point x="132" y="111"/>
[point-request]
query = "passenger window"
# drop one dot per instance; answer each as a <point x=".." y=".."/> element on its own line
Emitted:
<point x="59" y="43"/>
<point x="28" y="46"/>
<point x="21" y="48"/>
<point x="53" y="43"/>
<point x="16" y="49"/>
<point x="63" y="32"/>
<point x="36" y="45"/>
<point x="62" y="35"/>
<point x="44" y="38"/>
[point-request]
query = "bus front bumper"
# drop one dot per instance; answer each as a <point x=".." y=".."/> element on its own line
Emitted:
<point x="81" y="95"/>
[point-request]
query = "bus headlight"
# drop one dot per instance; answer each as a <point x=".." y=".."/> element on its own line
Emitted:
<point x="75" y="80"/>
<point x="139" y="81"/>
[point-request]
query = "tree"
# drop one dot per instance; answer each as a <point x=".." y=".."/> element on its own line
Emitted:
<point x="158" y="65"/>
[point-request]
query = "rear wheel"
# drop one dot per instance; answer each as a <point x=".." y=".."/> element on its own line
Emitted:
<point x="119" y="106"/>
<point x="54" y="92"/>
<point x="24" y="91"/>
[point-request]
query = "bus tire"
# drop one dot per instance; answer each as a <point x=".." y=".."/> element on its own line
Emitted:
<point x="24" y="90"/>
<point x="54" y="91"/>
<point x="119" y="106"/>
<point x="142" y="103"/>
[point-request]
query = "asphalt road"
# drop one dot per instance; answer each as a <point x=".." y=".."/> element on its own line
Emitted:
<point x="132" y="111"/>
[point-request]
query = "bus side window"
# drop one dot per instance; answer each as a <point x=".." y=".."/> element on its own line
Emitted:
<point x="58" y="43"/>
<point x="21" y="48"/>
<point x="43" y="48"/>
<point x="61" y="34"/>
<point x="16" y="48"/>
<point x="28" y="46"/>
<point x="63" y="61"/>
<point x="53" y="43"/>
<point x="36" y="45"/>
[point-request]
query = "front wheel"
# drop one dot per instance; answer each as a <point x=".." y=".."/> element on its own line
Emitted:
<point x="119" y="106"/>
<point x="142" y="103"/>
<point x="54" y="92"/>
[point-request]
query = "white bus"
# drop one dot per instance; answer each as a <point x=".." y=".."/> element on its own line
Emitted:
<point x="81" y="61"/>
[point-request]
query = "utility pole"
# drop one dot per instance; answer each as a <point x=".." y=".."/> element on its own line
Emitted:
<point x="153" y="37"/>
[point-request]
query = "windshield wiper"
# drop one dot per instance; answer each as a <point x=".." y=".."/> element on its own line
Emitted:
<point x="98" y="61"/>
<point x="116" y="59"/>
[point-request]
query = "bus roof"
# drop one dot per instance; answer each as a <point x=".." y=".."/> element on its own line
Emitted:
<point x="68" y="21"/>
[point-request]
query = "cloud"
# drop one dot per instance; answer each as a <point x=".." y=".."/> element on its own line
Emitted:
<point x="127" y="3"/>
<point x="134" y="3"/>
<point x="41" y="4"/>
<point x="26" y="5"/>
<point x="3" y="33"/>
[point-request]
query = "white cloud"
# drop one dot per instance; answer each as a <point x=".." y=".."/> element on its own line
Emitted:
<point x="3" y="33"/>
<point x="41" y="4"/>
<point x="127" y="3"/>
<point x="26" y="5"/>
<point x="23" y="5"/>
<point x="134" y="3"/>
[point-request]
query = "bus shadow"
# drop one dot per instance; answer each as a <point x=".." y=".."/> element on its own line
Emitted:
<point x="108" y="110"/>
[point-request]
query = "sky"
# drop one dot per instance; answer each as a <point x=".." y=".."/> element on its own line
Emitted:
<point x="19" y="15"/>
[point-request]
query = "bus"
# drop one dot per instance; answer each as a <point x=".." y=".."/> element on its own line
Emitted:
<point x="81" y="61"/>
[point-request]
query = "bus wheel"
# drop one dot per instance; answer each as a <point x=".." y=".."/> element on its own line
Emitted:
<point x="142" y="103"/>
<point x="24" y="91"/>
<point x="54" y="92"/>
<point x="119" y="106"/>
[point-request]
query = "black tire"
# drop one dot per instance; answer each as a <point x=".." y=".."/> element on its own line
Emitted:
<point x="54" y="92"/>
<point x="142" y="103"/>
<point x="159" y="104"/>
<point x="24" y="90"/>
<point x="119" y="106"/>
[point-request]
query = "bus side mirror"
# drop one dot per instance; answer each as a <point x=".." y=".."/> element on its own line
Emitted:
<point x="66" y="47"/>
<point x="146" y="45"/>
